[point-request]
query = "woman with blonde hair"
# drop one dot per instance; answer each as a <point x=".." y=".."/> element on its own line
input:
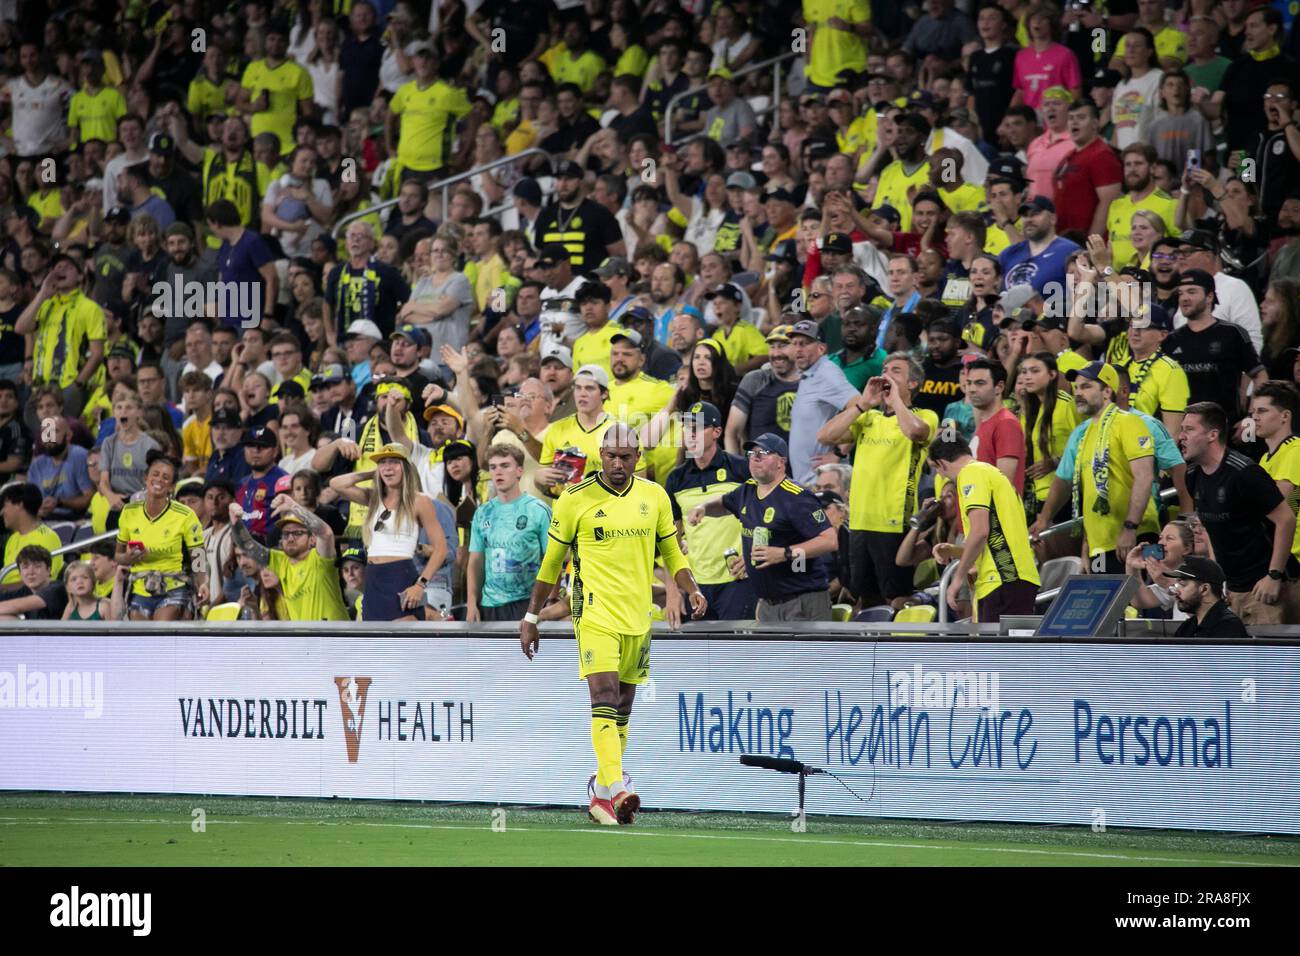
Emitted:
<point x="396" y="512"/>
<point x="1145" y="230"/>
<point x="442" y="300"/>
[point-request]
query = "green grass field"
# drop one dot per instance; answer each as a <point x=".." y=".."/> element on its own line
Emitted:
<point x="76" y="831"/>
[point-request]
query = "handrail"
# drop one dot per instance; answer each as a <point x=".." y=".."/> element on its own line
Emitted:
<point x="443" y="185"/>
<point x="77" y="546"/>
<point x="944" y="580"/>
<point x="773" y="62"/>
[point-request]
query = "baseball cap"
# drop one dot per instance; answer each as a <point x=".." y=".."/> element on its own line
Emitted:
<point x="419" y="46"/>
<point x="779" y="334"/>
<point x="117" y="214"/>
<point x="528" y="190"/>
<point x="1007" y="167"/>
<point x="91" y="56"/>
<point x="741" y="180"/>
<point x="922" y="98"/>
<point x="363" y="327"/>
<point x="592" y="290"/>
<point x="550" y="253"/>
<point x="1197" y="568"/>
<point x="808" y="328"/>
<point x="839" y="242"/>
<point x="704" y="413"/>
<point x="451" y="411"/>
<point x="613" y="266"/>
<point x="1105" y="77"/>
<point x="784" y="251"/>
<point x="1096" y="372"/>
<point x="568" y="169"/>
<point x="558" y="353"/>
<point x="1037" y="204"/>
<point x="411" y="333"/>
<point x="721" y="72"/>
<point x="638" y="313"/>
<point x="329" y="375"/>
<point x="769" y="442"/>
<point x="626" y="335"/>
<point x="725" y="290"/>
<point x="353" y="552"/>
<point x="780" y="192"/>
<point x="839" y="95"/>
<point x="1058" y="93"/>
<point x="1017" y="297"/>
<point x="887" y="212"/>
<point x="391" y="450"/>
<point x="960" y="115"/>
<point x="262" y="438"/>
<point x="121" y="350"/>
<point x="1199" y="278"/>
<point x="1154" y="316"/>
<point x="225" y="418"/>
<point x="595" y="372"/>
<point x="162" y="144"/>
<point x="284" y="484"/>
<point x="828" y="498"/>
<point x="1052" y="323"/>
<point x="1200" y="239"/>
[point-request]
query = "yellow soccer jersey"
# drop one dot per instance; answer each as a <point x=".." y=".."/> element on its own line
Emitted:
<point x="1282" y="464"/>
<point x="1157" y="385"/>
<point x="49" y="205"/>
<point x="429" y="118"/>
<point x="833" y="50"/>
<point x="742" y="343"/>
<point x="285" y="86"/>
<point x="196" y="440"/>
<point x="887" y="470"/>
<point x="1006" y="556"/>
<point x="311" y="587"/>
<point x="204" y="97"/>
<point x="996" y="238"/>
<point x="1129" y="441"/>
<point x="1064" y="419"/>
<point x="639" y="399"/>
<point x="1119" y="223"/>
<point x="893" y="186"/>
<point x="167" y="539"/>
<point x="614" y="537"/>
<point x="568" y="432"/>
<point x="566" y="68"/>
<point x="65" y="327"/>
<point x="95" y="116"/>
<point x="592" y="347"/>
<point x="967" y="197"/>
<point x="42" y="535"/>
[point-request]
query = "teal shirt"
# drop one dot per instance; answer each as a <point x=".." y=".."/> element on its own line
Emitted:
<point x="512" y="539"/>
<point x="961" y="415"/>
<point x="864" y="368"/>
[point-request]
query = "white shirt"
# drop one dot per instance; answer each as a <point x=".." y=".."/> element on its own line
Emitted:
<point x="556" y="306"/>
<point x="213" y="371"/>
<point x="431" y="472"/>
<point x="292" y="464"/>
<point x="1134" y="107"/>
<point x="974" y="167"/>
<point x="38" y="114"/>
<point x="294" y="243"/>
<point x="1235" y="303"/>
<point x="324" y="93"/>
<point x="113" y="169"/>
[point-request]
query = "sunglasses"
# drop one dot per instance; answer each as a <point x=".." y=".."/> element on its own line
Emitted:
<point x="384" y="516"/>
<point x="758" y="453"/>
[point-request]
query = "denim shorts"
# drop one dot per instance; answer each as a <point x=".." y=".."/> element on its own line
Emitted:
<point x="182" y="596"/>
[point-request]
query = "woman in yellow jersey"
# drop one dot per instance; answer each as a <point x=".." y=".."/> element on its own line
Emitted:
<point x="1047" y="417"/>
<point x="1145" y="229"/>
<point x="161" y="540"/>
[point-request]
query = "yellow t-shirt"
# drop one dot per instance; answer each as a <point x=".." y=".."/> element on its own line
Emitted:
<point x="835" y="50"/>
<point x="42" y="535"/>
<point x="893" y="186"/>
<point x="633" y="62"/>
<point x="1130" y="441"/>
<point x="1007" y="556"/>
<point x="196" y="440"/>
<point x="965" y="198"/>
<point x="1158" y="385"/>
<point x="167" y="539"/>
<point x="286" y="85"/>
<point x="310" y="586"/>
<point x="996" y="238"/>
<point x="568" y="432"/>
<point x="65" y="327"/>
<point x="592" y="347"/>
<point x="429" y="118"/>
<point x="1119" y="222"/>
<point x="95" y="116"/>
<point x="615" y="537"/>
<point x="566" y="68"/>
<point x="887" y="468"/>
<point x="743" y="343"/>
<point x="636" y="402"/>
<point x="1283" y="464"/>
<point x="49" y="205"/>
<point x="204" y="97"/>
<point x="1064" y="419"/>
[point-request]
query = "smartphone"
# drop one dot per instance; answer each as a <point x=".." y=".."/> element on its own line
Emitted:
<point x="1193" y="159"/>
<point x="498" y="400"/>
<point x="1156" y="551"/>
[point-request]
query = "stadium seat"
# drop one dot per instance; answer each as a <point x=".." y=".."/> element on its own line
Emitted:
<point x="917" y="614"/>
<point x="224" y="612"/>
<point x="83" y="532"/>
<point x="1054" y="572"/>
<point x="65" y="530"/>
<point x="875" y="615"/>
<point x="841" y="612"/>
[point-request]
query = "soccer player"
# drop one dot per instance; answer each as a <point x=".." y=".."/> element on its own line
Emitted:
<point x="614" y="523"/>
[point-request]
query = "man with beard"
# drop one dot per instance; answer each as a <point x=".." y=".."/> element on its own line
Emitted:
<point x="62" y="475"/>
<point x="576" y="124"/>
<point x="661" y="362"/>
<point x="685" y="329"/>
<point x="942" y="367"/>
<point x="860" y="358"/>
<point x="765" y="396"/>
<point x="1164" y="269"/>
<point x="304" y="562"/>
<point x="1217" y="357"/>
<point x="556" y="373"/>
<point x="1140" y="193"/>
<point x="183" y="265"/>
<point x="229" y="170"/>
<point x="180" y="189"/>
<point x="910" y="167"/>
<point x="666" y="284"/>
<point x="1041" y="259"/>
<point x="1198" y="588"/>
<point x="110" y="255"/>
<point x="635" y="397"/>
<point x="405" y="345"/>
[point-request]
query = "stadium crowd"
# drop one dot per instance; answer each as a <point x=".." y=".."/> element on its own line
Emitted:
<point x="974" y="270"/>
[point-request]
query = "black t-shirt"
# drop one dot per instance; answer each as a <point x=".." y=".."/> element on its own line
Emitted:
<point x="791" y="516"/>
<point x="1233" y="504"/>
<point x="767" y="401"/>
<point x="588" y="223"/>
<point x="11" y="343"/>
<point x="360" y="61"/>
<point x="15" y="439"/>
<point x="989" y="80"/>
<point x="640" y="120"/>
<point x="1214" y="361"/>
<point x="571" y="135"/>
<point x="53" y="594"/>
<point x="942" y="386"/>
<point x="523" y="22"/>
<point x="1219" y="622"/>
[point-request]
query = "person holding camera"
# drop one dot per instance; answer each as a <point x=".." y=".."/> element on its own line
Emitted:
<point x="1153" y="565"/>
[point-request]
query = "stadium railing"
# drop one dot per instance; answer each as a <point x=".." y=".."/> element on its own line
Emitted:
<point x="774" y="64"/>
<point x="76" y="547"/>
<point x="443" y="185"/>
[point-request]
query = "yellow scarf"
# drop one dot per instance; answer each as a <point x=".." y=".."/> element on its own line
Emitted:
<point x="1259" y="56"/>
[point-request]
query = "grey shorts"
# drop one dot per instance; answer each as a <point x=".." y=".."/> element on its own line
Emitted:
<point x="809" y="606"/>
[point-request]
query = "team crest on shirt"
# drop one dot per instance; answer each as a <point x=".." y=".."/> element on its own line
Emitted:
<point x="645" y="509"/>
<point x="127" y="459"/>
<point x="1144" y="440"/>
<point x="260" y="494"/>
<point x="520" y="523"/>
<point x="555" y="522"/>
<point x="769" y="514"/>
<point x="819" y="515"/>
<point x="722" y="474"/>
<point x="967" y="489"/>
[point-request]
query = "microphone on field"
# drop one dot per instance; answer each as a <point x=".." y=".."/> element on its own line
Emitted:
<point x="780" y="764"/>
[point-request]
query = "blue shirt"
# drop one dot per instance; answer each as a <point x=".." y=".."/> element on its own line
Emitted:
<point x="240" y="263"/>
<point x="1167" y="454"/>
<point x="66" y="480"/>
<point x="893" y="310"/>
<point x="157" y="207"/>
<point x="791" y="516"/>
<point x="1020" y="268"/>
<point x="229" y="466"/>
<point x="512" y="539"/>
<point x="823" y="392"/>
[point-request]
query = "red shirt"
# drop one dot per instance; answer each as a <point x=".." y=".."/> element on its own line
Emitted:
<point x="1077" y="180"/>
<point x="1002" y="437"/>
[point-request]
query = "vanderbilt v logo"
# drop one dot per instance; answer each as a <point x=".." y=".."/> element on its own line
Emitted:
<point x="352" y="705"/>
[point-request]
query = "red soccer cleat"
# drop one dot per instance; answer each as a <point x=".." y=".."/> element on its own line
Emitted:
<point x="626" y="804"/>
<point x="601" y="812"/>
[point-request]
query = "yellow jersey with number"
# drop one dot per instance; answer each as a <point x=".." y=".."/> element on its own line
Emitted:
<point x="1006" y="555"/>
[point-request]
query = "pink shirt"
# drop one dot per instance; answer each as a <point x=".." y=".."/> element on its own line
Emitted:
<point x="1036" y="72"/>
<point x="1045" y="153"/>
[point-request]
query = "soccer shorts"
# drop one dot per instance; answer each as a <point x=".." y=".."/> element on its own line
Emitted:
<point x="601" y="651"/>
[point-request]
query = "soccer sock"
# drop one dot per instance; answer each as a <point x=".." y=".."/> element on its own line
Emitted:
<point x="623" y="721"/>
<point x="605" y="742"/>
